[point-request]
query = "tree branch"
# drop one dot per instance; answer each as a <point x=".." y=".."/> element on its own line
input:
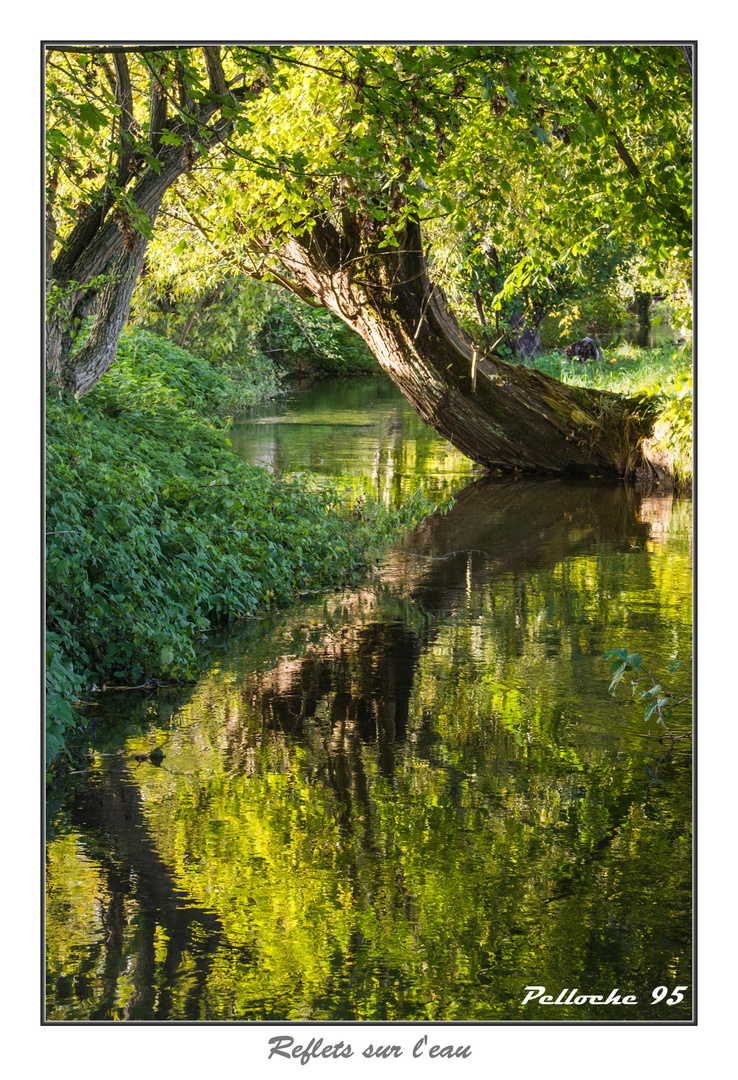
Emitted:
<point x="157" y="111"/>
<point x="216" y="75"/>
<point x="619" y="146"/>
<point x="124" y="99"/>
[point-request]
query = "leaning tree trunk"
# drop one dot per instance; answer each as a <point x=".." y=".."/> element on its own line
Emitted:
<point x="116" y="250"/>
<point x="101" y="259"/>
<point x="503" y="416"/>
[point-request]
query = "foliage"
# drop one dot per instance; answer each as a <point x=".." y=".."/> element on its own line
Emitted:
<point x="584" y="299"/>
<point x="161" y="373"/>
<point x="240" y="321"/>
<point x="675" y="427"/>
<point x="545" y="153"/>
<point x="600" y="298"/>
<point x="660" y="699"/>
<point x="528" y="140"/>
<point x="115" y="115"/>
<point x="512" y="159"/>
<point x="663" y="374"/>
<point x="307" y="340"/>
<point x="218" y="319"/>
<point x="123" y="124"/>
<point x="157" y="531"/>
<point x="589" y="295"/>
<point x="63" y="688"/>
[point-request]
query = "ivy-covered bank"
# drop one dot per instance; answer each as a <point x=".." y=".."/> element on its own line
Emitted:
<point x="157" y="531"/>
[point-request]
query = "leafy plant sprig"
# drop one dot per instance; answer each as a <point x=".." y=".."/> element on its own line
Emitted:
<point x="660" y="699"/>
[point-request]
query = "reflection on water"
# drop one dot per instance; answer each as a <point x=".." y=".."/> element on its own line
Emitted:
<point x="403" y="802"/>
<point x="362" y="428"/>
<point x="649" y="336"/>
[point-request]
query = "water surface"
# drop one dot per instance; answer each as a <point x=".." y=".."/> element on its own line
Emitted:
<point x="408" y="801"/>
<point x="361" y="428"/>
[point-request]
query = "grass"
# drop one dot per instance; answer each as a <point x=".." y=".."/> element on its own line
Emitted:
<point x="664" y="374"/>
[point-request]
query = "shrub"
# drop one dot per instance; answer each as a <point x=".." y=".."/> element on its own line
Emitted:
<point x="149" y="370"/>
<point x="157" y="531"/>
<point x="304" y="340"/>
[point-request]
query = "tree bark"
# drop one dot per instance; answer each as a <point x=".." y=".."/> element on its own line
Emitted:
<point x="107" y="242"/>
<point x="118" y="251"/>
<point x="505" y="417"/>
<point x="187" y="327"/>
<point x="124" y="99"/>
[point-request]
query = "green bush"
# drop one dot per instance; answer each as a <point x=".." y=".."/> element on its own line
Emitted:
<point x="254" y="327"/>
<point x="153" y="371"/>
<point x="304" y="340"/>
<point x="156" y="530"/>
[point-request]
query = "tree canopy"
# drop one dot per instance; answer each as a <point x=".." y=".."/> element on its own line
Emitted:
<point x="347" y="172"/>
<point x="545" y="149"/>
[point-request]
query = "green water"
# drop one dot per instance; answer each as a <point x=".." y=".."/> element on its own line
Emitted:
<point x="360" y="428"/>
<point x="406" y="802"/>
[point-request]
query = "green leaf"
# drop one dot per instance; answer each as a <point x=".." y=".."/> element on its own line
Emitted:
<point x="92" y="117"/>
<point x="653" y="692"/>
<point x="622" y="654"/>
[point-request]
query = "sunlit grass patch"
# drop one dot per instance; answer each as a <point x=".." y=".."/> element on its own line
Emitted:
<point x="663" y="374"/>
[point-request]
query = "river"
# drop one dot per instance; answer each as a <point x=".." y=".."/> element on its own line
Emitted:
<point x="407" y="801"/>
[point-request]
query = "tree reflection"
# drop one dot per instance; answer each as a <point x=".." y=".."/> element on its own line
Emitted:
<point x="408" y="798"/>
<point x="108" y="813"/>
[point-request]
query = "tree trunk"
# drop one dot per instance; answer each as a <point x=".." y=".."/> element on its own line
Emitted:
<point x="643" y="309"/>
<point x="84" y="370"/>
<point x="120" y="255"/>
<point x="116" y="249"/>
<point x="106" y="241"/>
<point x="503" y="416"/>
<point x="187" y="327"/>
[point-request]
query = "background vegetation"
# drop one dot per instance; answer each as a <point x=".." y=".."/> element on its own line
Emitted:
<point x="250" y="325"/>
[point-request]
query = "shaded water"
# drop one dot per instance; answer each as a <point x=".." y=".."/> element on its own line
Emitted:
<point x="404" y="802"/>
<point x="650" y="336"/>
<point x="644" y="337"/>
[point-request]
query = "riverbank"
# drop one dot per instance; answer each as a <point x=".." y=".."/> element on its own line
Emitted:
<point x="157" y="531"/>
<point x="663" y="374"/>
